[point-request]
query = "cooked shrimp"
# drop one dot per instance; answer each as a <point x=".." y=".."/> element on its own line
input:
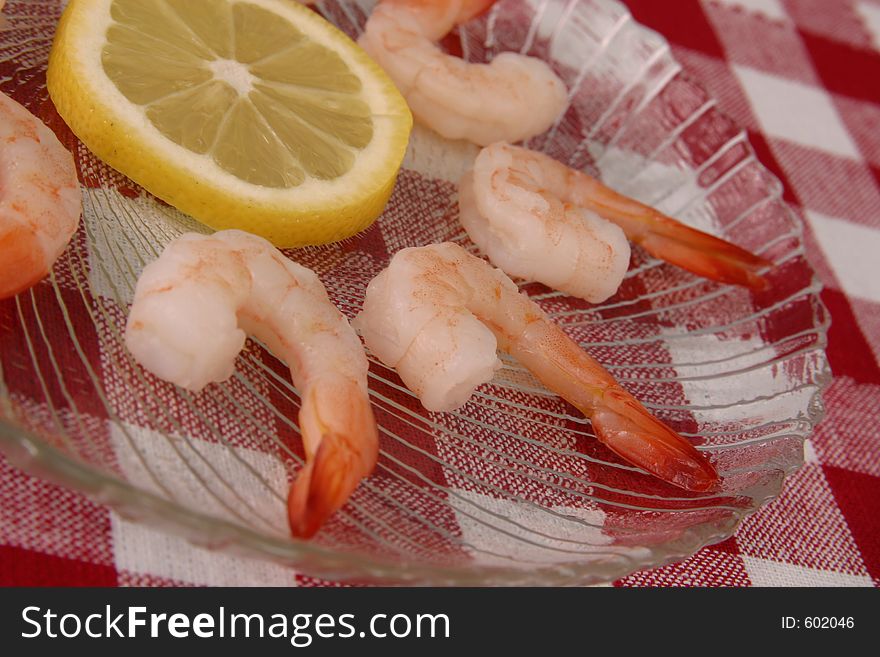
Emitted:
<point x="513" y="97"/>
<point x="509" y="207"/>
<point x="40" y="201"/>
<point x="192" y="311"/>
<point x="534" y="217"/>
<point x="438" y="314"/>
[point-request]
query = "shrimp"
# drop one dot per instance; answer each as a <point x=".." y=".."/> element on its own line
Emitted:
<point x="538" y="219"/>
<point x="528" y="231"/>
<point x="191" y="312"/>
<point x="40" y="202"/>
<point x="513" y="97"/>
<point x="438" y="314"/>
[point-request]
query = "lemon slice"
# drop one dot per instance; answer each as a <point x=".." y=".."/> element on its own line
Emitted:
<point x="249" y="114"/>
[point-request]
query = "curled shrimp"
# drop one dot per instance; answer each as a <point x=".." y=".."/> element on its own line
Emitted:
<point x="511" y="98"/>
<point x="509" y="207"/>
<point x="438" y="315"/>
<point x="538" y="219"/>
<point x="192" y="311"/>
<point x="40" y="202"/>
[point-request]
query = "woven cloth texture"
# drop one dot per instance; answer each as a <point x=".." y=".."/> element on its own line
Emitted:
<point x="801" y="77"/>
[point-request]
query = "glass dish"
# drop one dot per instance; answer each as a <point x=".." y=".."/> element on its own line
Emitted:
<point x="513" y="488"/>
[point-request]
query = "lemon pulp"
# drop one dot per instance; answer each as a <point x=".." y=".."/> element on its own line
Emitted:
<point x="261" y="104"/>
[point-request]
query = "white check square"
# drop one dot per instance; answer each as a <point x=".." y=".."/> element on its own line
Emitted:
<point x="871" y="18"/>
<point x="763" y="572"/>
<point x="851" y="250"/>
<point x="139" y="549"/>
<point x="797" y="112"/>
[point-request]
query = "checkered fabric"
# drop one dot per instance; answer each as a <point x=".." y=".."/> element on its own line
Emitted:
<point x="802" y="77"/>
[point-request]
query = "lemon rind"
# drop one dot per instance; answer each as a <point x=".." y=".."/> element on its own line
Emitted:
<point x="119" y="133"/>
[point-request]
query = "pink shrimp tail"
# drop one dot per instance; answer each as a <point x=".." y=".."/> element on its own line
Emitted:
<point x="342" y="445"/>
<point x="625" y="427"/>
<point x="620" y="421"/>
<point x="703" y="254"/>
<point x="668" y="239"/>
<point x="323" y="486"/>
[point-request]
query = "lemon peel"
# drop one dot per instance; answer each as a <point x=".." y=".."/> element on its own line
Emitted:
<point x="249" y="114"/>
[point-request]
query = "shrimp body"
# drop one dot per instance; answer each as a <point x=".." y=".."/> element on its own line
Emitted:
<point x="40" y="201"/>
<point x="438" y="315"/>
<point x="510" y="206"/>
<point x="537" y="218"/>
<point x="192" y="311"/>
<point x="511" y="98"/>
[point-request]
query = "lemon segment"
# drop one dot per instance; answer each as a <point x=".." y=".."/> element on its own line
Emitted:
<point x="249" y="114"/>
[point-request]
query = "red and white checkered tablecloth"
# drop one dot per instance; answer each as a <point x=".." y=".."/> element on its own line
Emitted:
<point x="803" y="77"/>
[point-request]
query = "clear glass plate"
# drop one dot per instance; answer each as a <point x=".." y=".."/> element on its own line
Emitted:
<point x="513" y="488"/>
